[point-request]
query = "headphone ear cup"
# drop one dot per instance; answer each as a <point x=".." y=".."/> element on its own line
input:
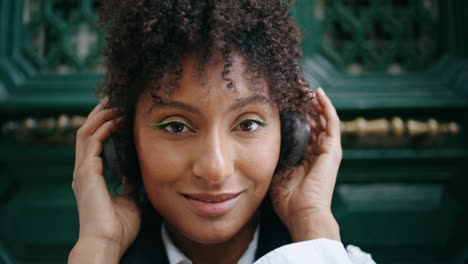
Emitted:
<point x="302" y="135"/>
<point x="110" y="156"/>
<point x="295" y="135"/>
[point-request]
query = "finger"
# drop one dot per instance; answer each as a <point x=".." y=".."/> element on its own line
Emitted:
<point x="104" y="102"/>
<point x="314" y="102"/>
<point x="96" y="141"/>
<point x="329" y="111"/>
<point x="316" y="109"/>
<point x="83" y="131"/>
<point x="99" y="106"/>
<point x="93" y="149"/>
<point x="314" y="113"/>
<point x="86" y="131"/>
<point x="319" y="109"/>
<point x="96" y="109"/>
<point x="315" y="128"/>
<point x="313" y="124"/>
<point x="313" y="138"/>
<point x="96" y="121"/>
<point x="323" y="122"/>
<point x="78" y="144"/>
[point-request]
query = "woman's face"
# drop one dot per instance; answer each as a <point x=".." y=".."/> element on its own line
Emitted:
<point x="207" y="154"/>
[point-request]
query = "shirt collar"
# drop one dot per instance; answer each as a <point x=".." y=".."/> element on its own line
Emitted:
<point x="177" y="257"/>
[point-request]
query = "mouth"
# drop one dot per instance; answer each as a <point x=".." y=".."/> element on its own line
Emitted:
<point x="211" y="204"/>
<point x="211" y="198"/>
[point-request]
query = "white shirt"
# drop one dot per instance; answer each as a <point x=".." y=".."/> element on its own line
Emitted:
<point x="317" y="251"/>
<point x="177" y="257"/>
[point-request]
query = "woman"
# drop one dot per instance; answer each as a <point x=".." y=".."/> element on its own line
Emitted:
<point x="202" y="97"/>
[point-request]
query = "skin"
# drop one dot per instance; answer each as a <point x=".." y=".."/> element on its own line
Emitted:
<point x="216" y="152"/>
<point x="217" y="156"/>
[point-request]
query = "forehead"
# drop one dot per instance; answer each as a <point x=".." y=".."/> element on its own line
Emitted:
<point x="235" y="77"/>
<point x="213" y="83"/>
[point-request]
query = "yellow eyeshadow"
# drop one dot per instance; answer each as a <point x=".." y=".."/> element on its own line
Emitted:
<point x="255" y="119"/>
<point x="170" y="122"/>
<point x="262" y="122"/>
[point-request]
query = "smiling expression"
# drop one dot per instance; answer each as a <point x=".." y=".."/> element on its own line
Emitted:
<point x="207" y="154"/>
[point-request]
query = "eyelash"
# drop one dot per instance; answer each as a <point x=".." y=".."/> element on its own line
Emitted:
<point x="258" y="121"/>
<point x="163" y="125"/>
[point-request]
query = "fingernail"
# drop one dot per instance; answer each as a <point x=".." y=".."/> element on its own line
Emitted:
<point x="320" y="90"/>
<point x="118" y="121"/>
<point x="104" y="102"/>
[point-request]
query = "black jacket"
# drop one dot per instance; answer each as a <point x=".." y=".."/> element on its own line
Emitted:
<point x="149" y="248"/>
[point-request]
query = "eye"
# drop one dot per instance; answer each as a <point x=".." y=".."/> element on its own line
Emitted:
<point x="250" y="124"/>
<point x="174" y="127"/>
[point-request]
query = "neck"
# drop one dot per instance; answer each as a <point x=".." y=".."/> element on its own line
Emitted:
<point x="229" y="251"/>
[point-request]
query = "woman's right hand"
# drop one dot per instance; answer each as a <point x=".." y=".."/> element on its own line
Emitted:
<point x="108" y="223"/>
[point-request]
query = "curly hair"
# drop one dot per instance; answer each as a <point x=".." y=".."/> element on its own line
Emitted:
<point x="147" y="39"/>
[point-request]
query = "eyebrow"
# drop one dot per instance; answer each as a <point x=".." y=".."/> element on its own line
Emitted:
<point x="158" y="102"/>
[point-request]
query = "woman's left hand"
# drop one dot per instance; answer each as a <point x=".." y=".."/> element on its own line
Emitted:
<point x="302" y="195"/>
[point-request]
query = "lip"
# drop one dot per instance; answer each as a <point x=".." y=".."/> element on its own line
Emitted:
<point x="211" y="204"/>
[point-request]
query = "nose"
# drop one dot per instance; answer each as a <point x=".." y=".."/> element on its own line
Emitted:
<point x="213" y="162"/>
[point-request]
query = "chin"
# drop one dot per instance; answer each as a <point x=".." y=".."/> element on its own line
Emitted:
<point x="212" y="235"/>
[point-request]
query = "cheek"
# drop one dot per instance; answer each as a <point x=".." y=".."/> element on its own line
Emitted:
<point x="259" y="160"/>
<point x="160" y="163"/>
